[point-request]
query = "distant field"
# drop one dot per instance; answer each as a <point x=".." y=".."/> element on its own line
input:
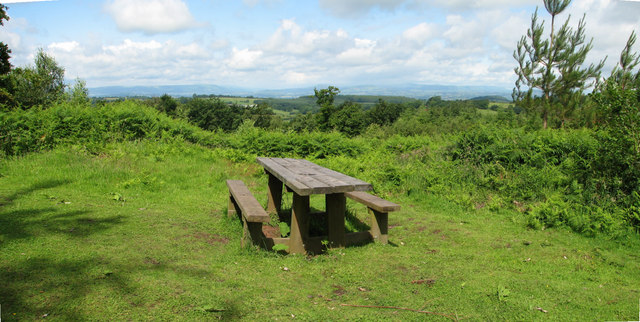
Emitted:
<point x="238" y="100"/>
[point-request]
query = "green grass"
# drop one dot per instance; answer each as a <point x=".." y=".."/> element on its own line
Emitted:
<point x="140" y="232"/>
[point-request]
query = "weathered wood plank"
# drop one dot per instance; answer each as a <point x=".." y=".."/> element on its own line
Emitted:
<point x="336" y="205"/>
<point x="302" y="174"/>
<point x="372" y="201"/>
<point x="308" y="178"/>
<point x="379" y="226"/>
<point x="250" y="208"/>
<point x="274" y="195"/>
<point x="286" y="176"/>
<point x="357" y="183"/>
<point x="299" y="224"/>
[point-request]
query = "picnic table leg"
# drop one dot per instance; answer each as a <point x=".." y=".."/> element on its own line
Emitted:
<point x="299" y="224"/>
<point x="379" y="226"/>
<point x="336" y="205"/>
<point x="274" y="195"/>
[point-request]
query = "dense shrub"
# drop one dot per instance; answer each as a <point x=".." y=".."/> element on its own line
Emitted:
<point x="65" y="123"/>
<point x="258" y="141"/>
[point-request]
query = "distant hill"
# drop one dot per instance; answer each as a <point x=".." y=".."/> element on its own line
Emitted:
<point x="447" y="92"/>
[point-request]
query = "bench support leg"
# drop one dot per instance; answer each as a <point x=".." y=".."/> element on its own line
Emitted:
<point x="336" y="205"/>
<point x="379" y="226"/>
<point x="274" y="195"/>
<point x="299" y="224"/>
<point x="253" y="232"/>
<point x="232" y="210"/>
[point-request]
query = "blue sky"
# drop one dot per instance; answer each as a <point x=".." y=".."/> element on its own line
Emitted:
<point x="278" y="44"/>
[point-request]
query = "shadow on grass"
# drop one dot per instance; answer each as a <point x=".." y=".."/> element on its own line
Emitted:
<point x="45" y="184"/>
<point x="27" y="223"/>
<point x="64" y="289"/>
<point x="55" y="285"/>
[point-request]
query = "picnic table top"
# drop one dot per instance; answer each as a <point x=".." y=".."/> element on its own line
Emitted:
<point x="307" y="178"/>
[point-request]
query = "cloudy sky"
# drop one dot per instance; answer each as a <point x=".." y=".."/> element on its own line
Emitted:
<point x="278" y="44"/>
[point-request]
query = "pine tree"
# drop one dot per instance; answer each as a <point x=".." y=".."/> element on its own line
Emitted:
<point x="553" y="66"/>
<point x="622" y="74"/>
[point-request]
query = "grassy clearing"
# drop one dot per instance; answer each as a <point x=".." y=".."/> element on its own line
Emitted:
<point x="140" y="232"/>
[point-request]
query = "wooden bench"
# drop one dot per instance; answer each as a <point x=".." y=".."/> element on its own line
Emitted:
<point x="379" y="210"/>
<point x="251" y="212"/>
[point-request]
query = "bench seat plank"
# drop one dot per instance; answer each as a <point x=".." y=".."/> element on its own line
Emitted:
<point x="249" y="206"/>
<point x="372" y="201"/>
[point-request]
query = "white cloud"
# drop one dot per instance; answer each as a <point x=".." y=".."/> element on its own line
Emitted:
<point x="292" y="77"/>
<point x="67" y="46"/>
<point x="290" y="38"/>
<point x="420" y="33"/>
<point x="129" y="61"/>
<point x="243" y="59"/>
<point x="362" y="53"/>
<point x="151" y="16"/>
<point x="12" y="39"/>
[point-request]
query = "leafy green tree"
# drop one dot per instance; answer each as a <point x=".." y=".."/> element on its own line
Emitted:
<point x="553" y="66"/>
<point x="324" y="99"/>
<point x="5" y="65"/>
<point x="79" y="93"/>
<point x="40" y="85"/>
<point x="303" y="123"/>
<point x="384" y="113"/>
<point x="6" y="99"/>
<point x="261" y="114"/>
<point x="349" y="118"/>
<point x="168" y="105"/>
<point x="213" y="114"/>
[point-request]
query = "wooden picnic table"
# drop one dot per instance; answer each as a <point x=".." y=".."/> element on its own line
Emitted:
<point x="305" y="178"/>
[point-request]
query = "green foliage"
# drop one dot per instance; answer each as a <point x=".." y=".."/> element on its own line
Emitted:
<point x="622" y="74"/>
<point x="384" y="113"/>
<point x="278" y="144"/>
<point x="79" y="94"/>
<point x="324" y="99"/>
<point x="5" y="65"/>
<point x="262" y="115"/>
<point x="41" y="85"/>
<point x="553" y="66"/>
<point x="93" y="127"/>
<point x="619" y="111"/>
<point x="168" y="105"/>
<point x="303" y="123"/>
<point x="284" y="229"/>
<point x="348" y="118"/>
<point x="213" y="114"/>
<point x="502" y="293"/>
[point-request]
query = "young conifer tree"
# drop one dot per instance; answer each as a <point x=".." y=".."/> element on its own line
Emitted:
<point x="622" y="74"/>
<point x="553" y="66"/>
